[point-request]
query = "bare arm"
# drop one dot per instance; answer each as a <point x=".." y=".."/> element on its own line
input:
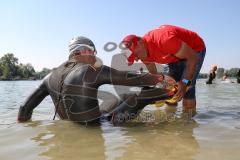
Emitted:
<point x="185" y="52"/>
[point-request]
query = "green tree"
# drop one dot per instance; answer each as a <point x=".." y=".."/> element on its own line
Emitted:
<point x="7" y="74"/>
<point x="9" y="66"/>
<point x="233" y="72"/>
<point x="220" y="72"/>
<point x="1" y="72"/>
<point x="43" y="73"/>
<point x="26" y="71"/>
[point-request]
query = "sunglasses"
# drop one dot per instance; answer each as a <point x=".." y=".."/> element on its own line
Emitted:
<point x="84" y="49"/>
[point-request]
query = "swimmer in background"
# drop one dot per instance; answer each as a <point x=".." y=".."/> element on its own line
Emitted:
<point x="212" y="74"/>
<point x="238" y="76"/>
<point x="224" y="77"/>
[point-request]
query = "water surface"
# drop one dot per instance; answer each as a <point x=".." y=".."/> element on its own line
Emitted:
<point x="214" y="133"/>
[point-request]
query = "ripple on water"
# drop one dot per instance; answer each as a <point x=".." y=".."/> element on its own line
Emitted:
<point x="215" y="129"/>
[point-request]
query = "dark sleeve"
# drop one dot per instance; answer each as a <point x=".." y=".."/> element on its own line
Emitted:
<point x="112" y="76"/>
<point x="214" y="75"/>
<point x="26" y="109"/>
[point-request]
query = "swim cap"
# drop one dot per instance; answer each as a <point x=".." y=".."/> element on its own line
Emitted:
<point x="81" y="43"/>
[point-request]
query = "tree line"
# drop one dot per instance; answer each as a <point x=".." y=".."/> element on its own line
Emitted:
<point x="233" y="72"/>
<point x="11" y="69"/>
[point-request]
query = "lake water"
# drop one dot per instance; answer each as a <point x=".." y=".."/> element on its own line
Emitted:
<point x="214" y="133"/>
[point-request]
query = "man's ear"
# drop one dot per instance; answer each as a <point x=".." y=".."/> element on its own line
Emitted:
<point x="140" y="43"/>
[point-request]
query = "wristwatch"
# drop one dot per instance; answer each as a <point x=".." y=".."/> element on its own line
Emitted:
<point x="186" y="82"/>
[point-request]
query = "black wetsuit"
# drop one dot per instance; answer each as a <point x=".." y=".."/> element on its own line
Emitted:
<point x="73" y="87"/>
<point x="211" y="77"/>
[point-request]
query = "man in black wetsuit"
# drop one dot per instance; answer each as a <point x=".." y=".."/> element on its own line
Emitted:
<point x="73" y="87"/>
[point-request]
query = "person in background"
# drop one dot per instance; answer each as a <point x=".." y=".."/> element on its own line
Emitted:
<point x="238" y="76"/>
<point x="212" y="74"/>
<point x="224" y="77"/>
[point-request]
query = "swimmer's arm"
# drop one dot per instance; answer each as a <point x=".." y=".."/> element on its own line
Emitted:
<point x="26" y="109"/>
<point x="116" y="77"/>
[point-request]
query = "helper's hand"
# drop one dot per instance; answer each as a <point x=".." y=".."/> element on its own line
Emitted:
<point x="182" y="89"/>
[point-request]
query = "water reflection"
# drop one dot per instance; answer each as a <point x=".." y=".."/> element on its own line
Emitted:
<point x="66" y="140"/>
<point x="165" y="140"/>
<point x="216" y="135"/>
<point x="116" y="140"/>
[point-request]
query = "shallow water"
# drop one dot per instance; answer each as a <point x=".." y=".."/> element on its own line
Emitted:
<point x="214" y="133"/>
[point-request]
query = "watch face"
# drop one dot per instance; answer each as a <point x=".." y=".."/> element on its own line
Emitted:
<point x="187" y="82"/>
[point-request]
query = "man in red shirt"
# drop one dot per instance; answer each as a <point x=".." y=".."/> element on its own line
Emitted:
<point x="183" y="50"/>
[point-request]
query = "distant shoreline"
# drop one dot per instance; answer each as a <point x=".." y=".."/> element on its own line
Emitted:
<point x="22" y="80"/>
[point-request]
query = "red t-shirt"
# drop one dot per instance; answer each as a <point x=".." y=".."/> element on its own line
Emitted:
<point x="163" y="42"/>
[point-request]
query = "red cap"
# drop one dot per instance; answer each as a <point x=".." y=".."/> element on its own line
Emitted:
<point x="130" y="42"/>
